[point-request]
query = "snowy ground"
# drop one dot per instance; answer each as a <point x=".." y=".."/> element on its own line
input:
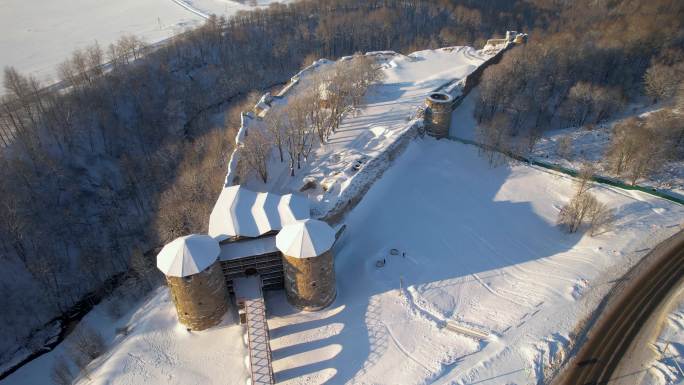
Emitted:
<point x="390" y="107"/>
<point x="664" y="370"/>
<point x="35" y="36"/>
<point x="481" y="253"/>
<point x="590" y="146"/>
<point x="158" y="350"/>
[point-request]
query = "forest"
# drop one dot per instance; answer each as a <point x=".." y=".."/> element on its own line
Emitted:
<point x="133" y="152"/>
<point x="588" y="67"/>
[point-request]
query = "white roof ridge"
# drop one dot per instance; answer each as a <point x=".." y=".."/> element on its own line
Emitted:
<point x="240" y="211"/>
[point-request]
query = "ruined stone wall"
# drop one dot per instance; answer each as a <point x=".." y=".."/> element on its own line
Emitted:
<point x="201" y="299"/>
<point x="310" y="282"/>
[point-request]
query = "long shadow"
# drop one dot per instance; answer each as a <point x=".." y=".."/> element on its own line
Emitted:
<point x="387" y="92"/>
<point x="440" y="203"/>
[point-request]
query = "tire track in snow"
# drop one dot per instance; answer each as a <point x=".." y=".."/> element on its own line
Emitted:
<point x="526" y="273"/>
<point x="408" y="354"/>
<point x="496" y="293"/>
<point x="495" y="252"/>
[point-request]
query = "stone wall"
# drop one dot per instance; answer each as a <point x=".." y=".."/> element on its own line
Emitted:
<point x="310" y="282"/>
<point x="201" y="299"/>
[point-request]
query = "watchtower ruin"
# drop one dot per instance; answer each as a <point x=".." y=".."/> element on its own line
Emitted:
<point x="438" y="114"/>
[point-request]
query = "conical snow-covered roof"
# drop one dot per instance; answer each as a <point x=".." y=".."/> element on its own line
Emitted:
<point x="242" y="212"/>
<point x="188" y="255"/>
<point x="305" y="239"/>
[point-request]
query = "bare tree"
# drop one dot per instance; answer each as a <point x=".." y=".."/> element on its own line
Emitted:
<point x="256" y="151"/>
<point x="588" y="103"/>
<point x="144" y="270"/>
<point x="494" y="135"/>
<point x="85" y="345"/>
<point x="624" y="145"/>
<point x="564" y="147"/>
<point x="584" y="207"/>
<point x="573" y="214"/>
<point x="584" y="178"/>
<point x="276" y="125"/>
<point x="600" y="218"/>
<point x="660" y="82"/>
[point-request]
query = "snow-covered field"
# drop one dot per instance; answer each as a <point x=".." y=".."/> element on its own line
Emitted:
<point x="482" y="253"/>
<point x="35" y="36"/>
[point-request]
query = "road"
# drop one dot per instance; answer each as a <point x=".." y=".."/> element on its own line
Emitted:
<point x="627" y="311"/>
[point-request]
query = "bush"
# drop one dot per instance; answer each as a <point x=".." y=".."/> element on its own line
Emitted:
<point x="85" y="345"/>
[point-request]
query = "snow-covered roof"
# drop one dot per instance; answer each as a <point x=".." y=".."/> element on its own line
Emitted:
<point x="247" y="248"/>
<point x="187" y="255"/>
<point x="242" y="212"/>
<point x="305" y="239"/>
<point x="292" y="208"/>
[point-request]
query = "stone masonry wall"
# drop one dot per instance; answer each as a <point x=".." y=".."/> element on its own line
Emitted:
<point x="201" y="299"/>
<point x="310" y="282"/>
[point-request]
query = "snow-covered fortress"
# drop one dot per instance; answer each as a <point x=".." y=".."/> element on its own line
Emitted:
<point x="265" y="236"/>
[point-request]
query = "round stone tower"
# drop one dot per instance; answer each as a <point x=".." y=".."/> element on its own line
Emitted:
<point x="308" y="263"/>
<point x="195" y="279"/>
<point x="438" y="114"/>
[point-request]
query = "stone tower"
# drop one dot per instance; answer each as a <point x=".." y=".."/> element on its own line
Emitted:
<point x="195" y="279"/>
<point x="308" y="263"/>
<point x="438" y="114"/>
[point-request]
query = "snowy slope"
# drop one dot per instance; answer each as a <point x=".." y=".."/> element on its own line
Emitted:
<point x="587" y="145"/>
<point x="158" y="350"/>
<point x="591" y="146"/>
<point x="35" y="36"/>
<point x="482" y="252"/>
